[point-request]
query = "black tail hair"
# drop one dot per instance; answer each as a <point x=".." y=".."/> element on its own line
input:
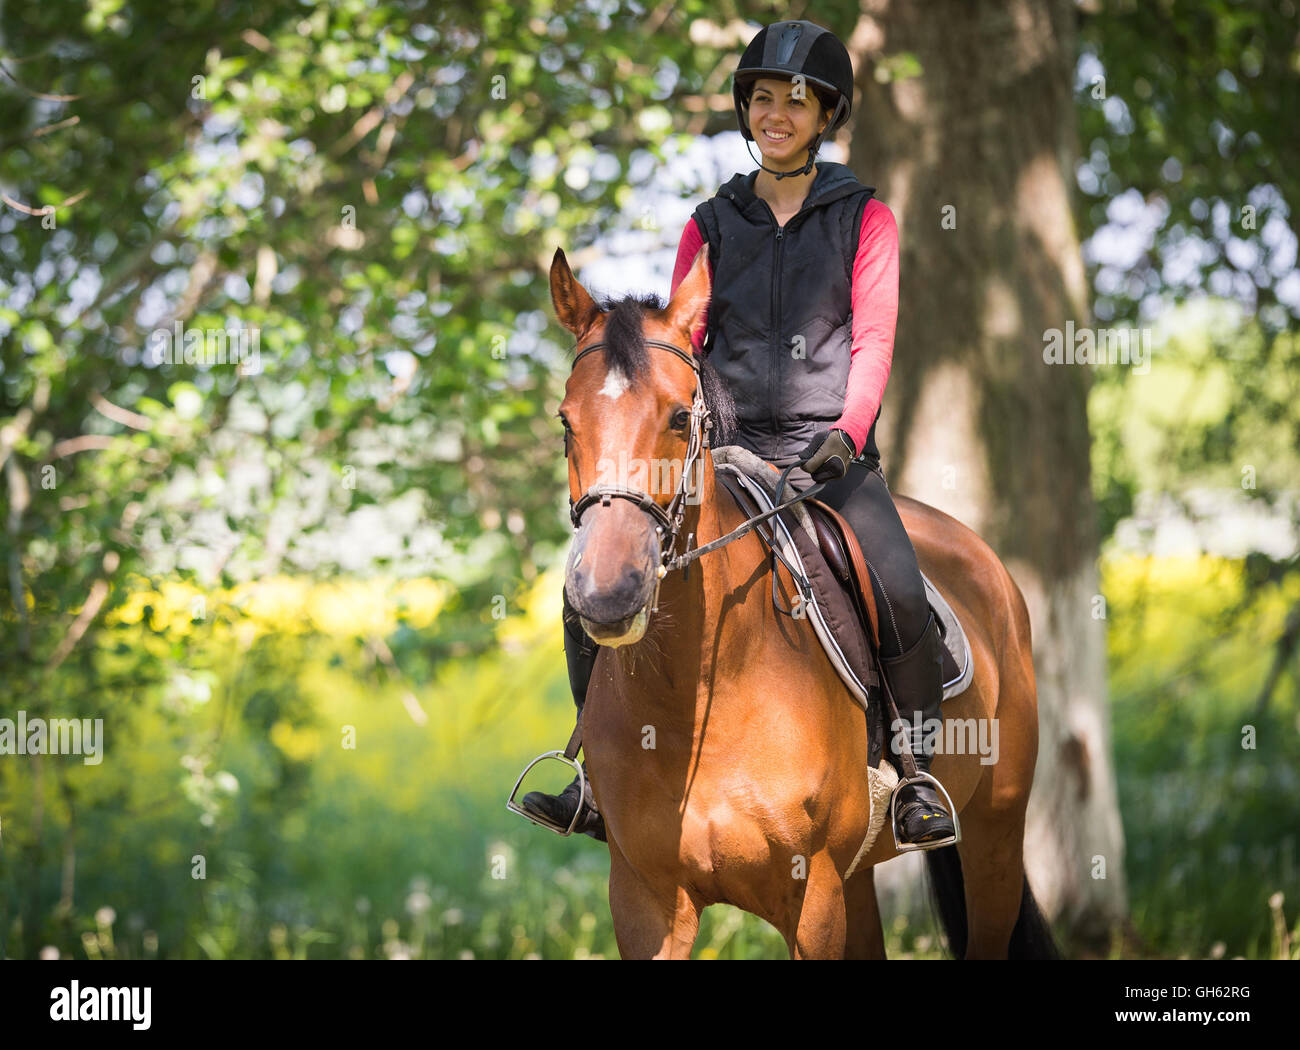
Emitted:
<point x="1031" y="937"/>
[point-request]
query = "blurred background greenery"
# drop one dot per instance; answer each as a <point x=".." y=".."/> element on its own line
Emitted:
<point x="402" y="848"/>
<point x="245" y="574"/>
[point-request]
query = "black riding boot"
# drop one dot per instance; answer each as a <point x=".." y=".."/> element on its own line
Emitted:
<point x="916" y="680"/>
<point x="580" y="654"/>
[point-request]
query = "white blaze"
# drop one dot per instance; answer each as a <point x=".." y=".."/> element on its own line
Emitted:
<point x="616" y="384"/>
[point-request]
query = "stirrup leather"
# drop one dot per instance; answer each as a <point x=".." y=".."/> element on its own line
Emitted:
<point x="907" y="847"/>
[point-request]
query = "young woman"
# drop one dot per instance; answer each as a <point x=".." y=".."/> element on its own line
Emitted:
<point x="801" y="329"/>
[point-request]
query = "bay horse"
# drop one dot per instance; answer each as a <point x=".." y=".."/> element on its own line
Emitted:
<point x="724" y="753"/>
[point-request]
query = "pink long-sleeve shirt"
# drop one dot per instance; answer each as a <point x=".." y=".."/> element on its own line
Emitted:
<point x="875" y="313"/>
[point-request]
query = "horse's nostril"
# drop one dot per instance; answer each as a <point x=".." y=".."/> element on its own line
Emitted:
<point x="611" y="599"/>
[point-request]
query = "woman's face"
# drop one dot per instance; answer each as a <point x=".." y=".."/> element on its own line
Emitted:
<point x="783" y="125"/>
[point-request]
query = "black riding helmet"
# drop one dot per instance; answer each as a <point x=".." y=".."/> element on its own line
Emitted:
<point x="790" y="49"/>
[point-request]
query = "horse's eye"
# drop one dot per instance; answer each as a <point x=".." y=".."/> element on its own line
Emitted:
<point x="681" y="419"/>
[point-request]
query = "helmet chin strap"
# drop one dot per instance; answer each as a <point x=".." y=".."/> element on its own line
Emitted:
<point x="812" y="153"/>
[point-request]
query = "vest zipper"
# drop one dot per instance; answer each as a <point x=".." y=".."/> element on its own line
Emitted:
<point x="774" y="365"/>
<point x="775" y="335"/>
<point x="774" y="372"/>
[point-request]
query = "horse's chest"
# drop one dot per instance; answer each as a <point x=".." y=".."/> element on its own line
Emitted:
<point x="719" y="818"/>
<point x="720" y="839"/>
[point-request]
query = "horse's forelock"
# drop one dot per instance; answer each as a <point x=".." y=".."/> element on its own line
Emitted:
<point x="625" y="334"/>
<point x="625" y="337"/>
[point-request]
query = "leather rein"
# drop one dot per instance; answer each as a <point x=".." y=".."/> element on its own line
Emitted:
<point x="669" y="521"/>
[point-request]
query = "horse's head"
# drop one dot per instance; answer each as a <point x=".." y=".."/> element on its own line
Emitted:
<point x="627" y="414"/>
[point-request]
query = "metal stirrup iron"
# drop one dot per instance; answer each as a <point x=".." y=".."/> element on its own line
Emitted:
<point x="570" y="756"/>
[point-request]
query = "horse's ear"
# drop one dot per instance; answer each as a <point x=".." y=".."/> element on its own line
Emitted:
<point x="686" y="309"/>
<point x="574" y="308"/>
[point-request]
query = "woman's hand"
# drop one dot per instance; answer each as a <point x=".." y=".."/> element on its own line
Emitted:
<point x="828" y="455"/>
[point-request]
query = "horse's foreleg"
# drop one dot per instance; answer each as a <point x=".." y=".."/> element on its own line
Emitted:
<point x="649" y="922"/>
<point x="866" y="938"/>
<point x="821" y="928"/>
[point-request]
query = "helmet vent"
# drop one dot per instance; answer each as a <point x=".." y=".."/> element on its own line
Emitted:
<point x="785" y="48"/>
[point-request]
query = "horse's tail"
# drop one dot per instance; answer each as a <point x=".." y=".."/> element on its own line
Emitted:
<point x="948" y="893"/>
<point x="1031" y="938"/>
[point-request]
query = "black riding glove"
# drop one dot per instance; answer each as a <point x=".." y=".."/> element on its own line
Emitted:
<point x="828" y="455"/>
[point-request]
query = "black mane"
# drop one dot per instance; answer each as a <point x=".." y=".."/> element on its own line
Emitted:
<point x="627" y="352"/>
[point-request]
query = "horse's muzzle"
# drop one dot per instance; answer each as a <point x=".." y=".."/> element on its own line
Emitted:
<point x="611" y="573"/>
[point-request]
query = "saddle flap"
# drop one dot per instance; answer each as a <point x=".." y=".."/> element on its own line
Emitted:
<point x="839" y="543"/>
<point x="958" y="663"/>
<point x="844" y="554"/>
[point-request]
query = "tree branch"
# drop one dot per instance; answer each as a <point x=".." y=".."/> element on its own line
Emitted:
<point x="1283" y="650"/>
<point x="94" y="601"/>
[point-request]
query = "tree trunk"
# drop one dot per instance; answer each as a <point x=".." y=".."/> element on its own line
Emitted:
<point x="975" y="155"/>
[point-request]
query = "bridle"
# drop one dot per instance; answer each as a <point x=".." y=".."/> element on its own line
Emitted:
<point x="669" y="521"/>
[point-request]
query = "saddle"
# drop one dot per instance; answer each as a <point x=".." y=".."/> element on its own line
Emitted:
<point x="837" y="599"/>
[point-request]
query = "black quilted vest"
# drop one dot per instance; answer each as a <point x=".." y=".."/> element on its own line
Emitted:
<point x="780" y="328"/>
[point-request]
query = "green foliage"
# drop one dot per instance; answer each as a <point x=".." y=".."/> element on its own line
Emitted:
<point x="377" y="189"/>
<point x="1193" y="113"/>
<point x="1216" y="410"/>
<point x="1184" y="112"/>
<point x="354" y="181"/>
<point x="1207" y="779"/>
